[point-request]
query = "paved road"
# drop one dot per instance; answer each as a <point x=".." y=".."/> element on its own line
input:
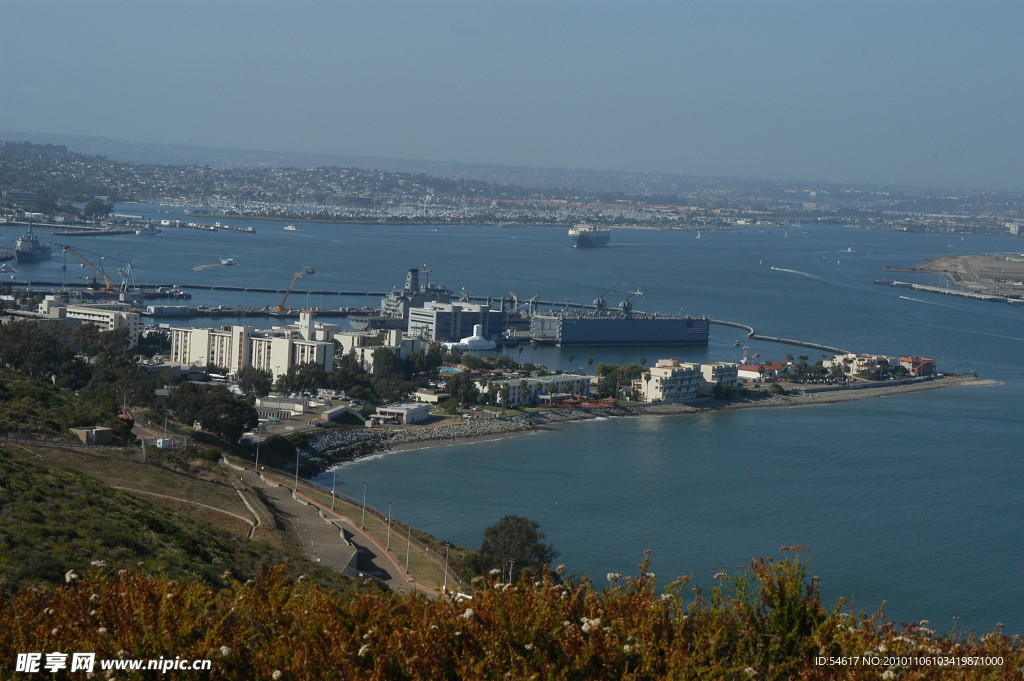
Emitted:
<point x="322" y="540"/>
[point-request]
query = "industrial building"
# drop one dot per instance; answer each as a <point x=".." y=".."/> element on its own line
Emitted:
<point x="451" y="322"/>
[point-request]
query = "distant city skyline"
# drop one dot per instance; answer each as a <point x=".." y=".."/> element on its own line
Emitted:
<point x="912" y="93"/>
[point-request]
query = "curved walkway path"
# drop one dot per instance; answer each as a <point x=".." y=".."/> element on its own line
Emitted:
<point x="330" y="538"/>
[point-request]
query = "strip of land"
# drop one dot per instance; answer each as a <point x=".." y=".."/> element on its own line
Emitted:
<point x="329" y="448"/>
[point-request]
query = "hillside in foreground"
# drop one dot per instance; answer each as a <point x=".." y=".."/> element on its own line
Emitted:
<point x="54" y="520"/>
<point x="765" y="622"/>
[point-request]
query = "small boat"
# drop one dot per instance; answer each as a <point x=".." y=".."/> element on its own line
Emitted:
<point x="227" y="261"/>
<point x="736" y="344"/>
<point x="291" y="228"/>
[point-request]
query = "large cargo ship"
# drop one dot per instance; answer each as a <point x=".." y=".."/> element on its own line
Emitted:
<point x="28" y="248"/>
<point x="590" y="236"/>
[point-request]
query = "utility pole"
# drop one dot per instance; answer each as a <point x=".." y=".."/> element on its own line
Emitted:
<point x="388" y="547"/>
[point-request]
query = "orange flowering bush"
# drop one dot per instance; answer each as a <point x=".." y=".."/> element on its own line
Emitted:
<point x="765" y="622"/>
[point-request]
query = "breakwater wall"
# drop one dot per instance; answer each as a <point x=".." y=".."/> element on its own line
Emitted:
<point x="774" y="339"/>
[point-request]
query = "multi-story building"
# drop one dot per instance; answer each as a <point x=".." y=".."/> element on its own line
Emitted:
<point x="105" y="316"/>
<point x="236" y="347"/>
<point x="450" y="322"/>
<point x="718" y="373"/>
<point x="529" y="390"/>
<point x="671" y="380"/>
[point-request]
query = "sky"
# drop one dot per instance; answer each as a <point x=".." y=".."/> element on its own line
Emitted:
<point x="920" y="93"/>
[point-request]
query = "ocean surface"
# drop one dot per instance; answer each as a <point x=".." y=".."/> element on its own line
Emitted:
<point x="913" y="500"/>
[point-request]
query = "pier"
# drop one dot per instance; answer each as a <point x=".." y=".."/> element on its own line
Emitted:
<point x="974" y="295"/>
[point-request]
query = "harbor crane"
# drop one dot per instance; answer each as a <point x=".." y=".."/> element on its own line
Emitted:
<point x="108" y="283"/>
<point x="601" y="302"/>
<point x="303" y="271"/>
<point x="627" y="305"/>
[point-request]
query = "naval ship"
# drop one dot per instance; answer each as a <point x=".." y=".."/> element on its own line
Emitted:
<point x="28" y="248"/>
<point x="590" y="236"/>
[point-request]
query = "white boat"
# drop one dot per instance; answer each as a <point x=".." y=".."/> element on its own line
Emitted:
<point x="227" y="261"/>
<point x="291" y="228"/>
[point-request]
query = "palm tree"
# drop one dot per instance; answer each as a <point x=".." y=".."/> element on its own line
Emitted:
<point x="647" y="387"/>
<point x="643" y="361"/>
<point x="571" y="357"/>
<point x="533" y="350"/>
<point x="590" y="363"/>
<point x="519" y="349"/>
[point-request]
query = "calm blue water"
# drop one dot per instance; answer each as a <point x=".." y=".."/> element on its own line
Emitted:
<point x="914" y="500"/>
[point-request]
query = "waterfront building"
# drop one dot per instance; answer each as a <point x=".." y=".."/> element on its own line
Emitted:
<point x="919" y="366"/>
<point x="105" y="316"/>
<point x="450" y="322"/>
<point x="401" y="413"/>
<point x="671" y="380"/>
<point x="237" y="347"/>
<point x="718" y="373"/>
<point x="530" y="390"/>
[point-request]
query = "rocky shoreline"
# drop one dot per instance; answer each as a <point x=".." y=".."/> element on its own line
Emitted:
<point x="326" y="448"/>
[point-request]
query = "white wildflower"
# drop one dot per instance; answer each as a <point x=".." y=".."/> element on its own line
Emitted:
<point x="496" y="572"/>
<point x="882" y="648"/>
<point x="612" y="576"/>
<point x="627" y="648"/>
<point x="750" y="672"/>
<point x="102" y="630"/>
<point x="364" y="650"/>
<point x="225" y="651"/>
<point x="888" y="675"/>
<point x="468" y="614"/>
<point x="53" y="632"/>
<point x="99" y="563"/>
<point x="276" y="675"/>
<point x="529" y="646"/>
<point x="70" y="576"/>
<point x="170" y="596"/>
<point x="94" y="598"/>
<point x="92" y="613"/>
<point x="507" y="587"/>
<point x="560" y="569"/>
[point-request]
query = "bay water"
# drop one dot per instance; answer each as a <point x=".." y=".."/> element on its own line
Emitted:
<point x="914" y="500"/>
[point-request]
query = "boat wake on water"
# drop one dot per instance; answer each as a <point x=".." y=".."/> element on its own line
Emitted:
<point x="929" y="302"/>
<point x="802" y="274"/>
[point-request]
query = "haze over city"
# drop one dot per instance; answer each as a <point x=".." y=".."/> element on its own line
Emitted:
<point x="908" y="93"/>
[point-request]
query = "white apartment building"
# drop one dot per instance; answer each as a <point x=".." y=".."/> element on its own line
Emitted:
<point x="718" y="373"/>
<point x="105" y="316"/>
<point x="238" y="347"/>
<point x="672" y="380"/>
<point x="451" y="322"/>
<point x="528" y="390"/>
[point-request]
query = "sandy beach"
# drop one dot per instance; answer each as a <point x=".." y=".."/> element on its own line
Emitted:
<point x="330" y="447"/>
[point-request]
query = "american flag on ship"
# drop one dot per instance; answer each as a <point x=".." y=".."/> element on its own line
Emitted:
<point x="697" y="326"/>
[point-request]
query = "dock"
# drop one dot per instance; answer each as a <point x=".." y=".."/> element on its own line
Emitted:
<point x="973" y="295"/>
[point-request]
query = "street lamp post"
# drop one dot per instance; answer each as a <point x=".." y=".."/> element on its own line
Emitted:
<point x="388" y="547"/>
<point x="408" y="545"/>
<point x="363" y="521"/>
<point x="295" y="492"/>
<point x="334" y="487"/>
<point x="446" y="546"/>
<point x="257" y="452"/>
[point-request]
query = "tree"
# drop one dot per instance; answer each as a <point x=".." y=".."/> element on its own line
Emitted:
<point x="253" y="381"/>
<point x="533" y="350"/>
<point x="519" y="349"/>
<point x="97" y="209"/>
<point x="513" y="543"/>
<point x="219" y="412"/>
<point x="450" y="407"/>
<point x="302" y="377"/>
<point x="590" y="363"/>
<point x="571" y="357"/>
<point x="386" y="364"/>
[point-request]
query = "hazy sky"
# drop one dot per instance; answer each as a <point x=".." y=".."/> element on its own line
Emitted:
<point x="910" y="92"/>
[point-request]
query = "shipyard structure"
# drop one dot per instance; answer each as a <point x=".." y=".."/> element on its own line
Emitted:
<point x="433" y="313"/>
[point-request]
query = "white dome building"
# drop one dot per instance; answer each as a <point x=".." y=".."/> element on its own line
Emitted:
<point x="474" y="342"/>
